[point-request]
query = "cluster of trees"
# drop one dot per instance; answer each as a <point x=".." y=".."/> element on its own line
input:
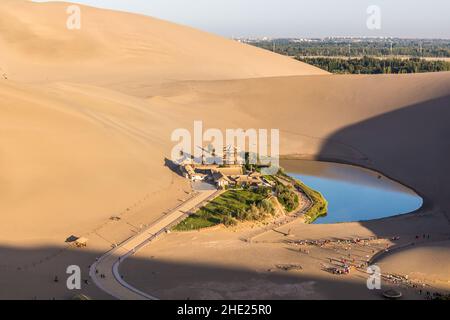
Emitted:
<point x="319" y="206"/>
<point x="257" y="211"/>
<point x="368" y="65"/>
<point x="258" y="208"/>
<point x="229" y="221"/>
<point x="287" y="196"/>
<point x="359" y="47"/>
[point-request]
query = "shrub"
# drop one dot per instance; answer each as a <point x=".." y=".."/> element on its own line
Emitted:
<point x="267" y="206"/>
<point x="229" y="221"/>
<point x="287" y="197"/>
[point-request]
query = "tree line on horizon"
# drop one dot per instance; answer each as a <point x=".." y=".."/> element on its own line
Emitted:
<point x="370" y="65"/>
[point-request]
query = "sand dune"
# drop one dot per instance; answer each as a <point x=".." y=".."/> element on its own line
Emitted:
<point x="83" y="152"/>
<point x="56" y="124"/>
<point x="121" y="49"/>
<point x="86" y="118"/>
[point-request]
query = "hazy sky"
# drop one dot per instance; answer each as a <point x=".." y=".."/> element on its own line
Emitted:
<point x="296" y="18"/>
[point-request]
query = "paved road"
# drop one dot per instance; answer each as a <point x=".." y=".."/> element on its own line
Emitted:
<point x="105" y="271"/>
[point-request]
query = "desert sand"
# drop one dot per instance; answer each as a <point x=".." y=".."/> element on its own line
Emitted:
<point x="86" y="117"/>
<point x="220" y="265"/>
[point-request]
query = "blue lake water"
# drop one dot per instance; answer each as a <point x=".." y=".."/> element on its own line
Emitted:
<point x="354" y="193"/>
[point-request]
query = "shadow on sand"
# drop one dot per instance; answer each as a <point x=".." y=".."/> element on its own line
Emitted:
<point x="174" y="167"/>
<point x="40" y="274"/>
<point x="410" y="145"/>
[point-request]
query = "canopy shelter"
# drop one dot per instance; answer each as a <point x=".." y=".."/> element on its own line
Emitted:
<point x="79" y="242"/>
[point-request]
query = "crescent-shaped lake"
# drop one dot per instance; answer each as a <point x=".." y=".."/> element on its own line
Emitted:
<point x="354" y="193"/>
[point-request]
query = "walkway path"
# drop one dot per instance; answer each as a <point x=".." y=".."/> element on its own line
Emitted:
<point x="105" y="271"/>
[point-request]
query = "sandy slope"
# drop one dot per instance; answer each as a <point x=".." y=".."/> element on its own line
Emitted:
<point x="62" y="151"/>
<point x="123" y="49"/>
<point x="429" y="262"/>
<point x="86" y="117"/>
<point x="55" y="130"/>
